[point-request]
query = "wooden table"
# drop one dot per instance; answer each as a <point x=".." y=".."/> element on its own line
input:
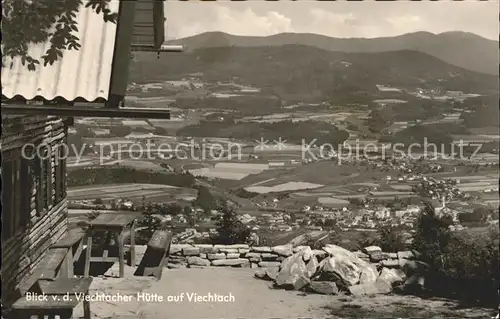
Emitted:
<point x="62" y="296"/>
<point x="117" y="225"/>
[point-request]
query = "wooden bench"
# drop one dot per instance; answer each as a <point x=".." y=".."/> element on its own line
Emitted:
<point x="157" y="251"/>
<point x="62" y="296"/>
<point x="72" y="242"/>
<point x="57" y="260"/>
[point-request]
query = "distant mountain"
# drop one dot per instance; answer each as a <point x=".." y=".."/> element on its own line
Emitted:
<point x="300" y="69"/>
<point x="462" y="49"/>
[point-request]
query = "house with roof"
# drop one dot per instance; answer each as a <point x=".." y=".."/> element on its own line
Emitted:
<point x="38" y="107"/>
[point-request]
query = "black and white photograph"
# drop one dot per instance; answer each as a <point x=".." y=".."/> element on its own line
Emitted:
<point x="250" y="159"/>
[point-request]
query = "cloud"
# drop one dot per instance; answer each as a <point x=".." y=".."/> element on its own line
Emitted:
<point x="337" y="19"/>
<point x="237" y="22"/>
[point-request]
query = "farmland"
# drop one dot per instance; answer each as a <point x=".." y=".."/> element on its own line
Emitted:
<point x="133" y="192"/>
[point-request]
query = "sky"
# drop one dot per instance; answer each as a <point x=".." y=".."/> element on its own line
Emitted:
<point x="364" y="19"/>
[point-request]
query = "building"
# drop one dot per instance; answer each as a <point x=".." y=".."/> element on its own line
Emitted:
<point x="37" y="109"/>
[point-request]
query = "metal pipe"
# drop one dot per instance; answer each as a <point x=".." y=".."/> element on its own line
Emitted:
<point x="163" y="48"/>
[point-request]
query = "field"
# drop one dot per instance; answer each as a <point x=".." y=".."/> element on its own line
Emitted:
<point x="133" y="192"/>
<point x="285" y="187"/>
<point x="231" y="171"/>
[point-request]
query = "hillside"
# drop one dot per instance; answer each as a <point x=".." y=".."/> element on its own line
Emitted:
<point x="462" y="49"/>
<point x="305" y="69"/>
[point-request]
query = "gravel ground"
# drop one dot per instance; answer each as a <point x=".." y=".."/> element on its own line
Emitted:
<point x="252" y="298"/>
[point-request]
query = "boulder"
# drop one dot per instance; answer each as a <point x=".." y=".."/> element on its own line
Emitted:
<point x="191" y="251"/>
<point x="177" y="259"/>
<point x="216" y="256"/>
<point x="414" y="284"/>
<point x="320" y="254"/>
<point x="269" y="264"/>
<point x="205" y="248"/>
<point x="312" y="267"/>
<point x="307" y="253"/>
<point x="261" y="274"/>
<point x="361" y="254"/>
<point x="370" y="249"/>
<point x="177" y="248"/>
<point x="375" y="288"/>
<point x="292" y="269"/>
<point x="378" y="256"/>
<point x="229" y="251"/>
<point x="391" y="276"/>
<point x="202" y="255"/>
<point x="232" y="255"/>
<point x="263" y="249"/>
<point x="236" y="246"/>
<point x="255" y="259"/>
<point x="272" y="272"/>
<point x="368" y="275"/>
<point x="406" y="255"/>
<point x="324" y="287"/>
<point x="391" y="263"/>
<point x="299" y="248"/>
<point x="302" y="282"/>
<point x="252" y="255"/>
<point x="411" y="267"/>
<point x="254" y="265"/>
<point x="269" y="257"/>
<point x="284" y="250"/>
<point x="345" y="268"/>
<point x="393" y="255"/>
<point x="244" y="250"/>
<point x="197" y="261"/>
<point x="231" y="262"/>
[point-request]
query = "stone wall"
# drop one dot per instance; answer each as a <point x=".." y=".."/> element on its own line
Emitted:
<point x="240" y="255"/>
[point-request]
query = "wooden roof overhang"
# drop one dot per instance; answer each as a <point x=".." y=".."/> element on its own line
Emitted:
<point x="140" y="27"/>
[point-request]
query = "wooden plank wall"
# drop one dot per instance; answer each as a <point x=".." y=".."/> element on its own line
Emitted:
<point x="22" y="252"/>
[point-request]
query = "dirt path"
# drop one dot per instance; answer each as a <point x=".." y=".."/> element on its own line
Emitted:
<point x="251" y="298"/>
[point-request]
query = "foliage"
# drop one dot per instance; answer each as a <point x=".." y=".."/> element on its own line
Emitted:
<point x="463" y="265"/>
<point x="291" y="132"/>
<point x="479" y="214"/>
<point x="243" y="193"/>
<point x="112" y="175"/>
<point x="39" y="21"/>
<point x="190" y="215"/>
<point x="230" y="229"/>
<point x="391" y="239"/>
<point x="205" y="200"/>
<point x="378" y="120"/>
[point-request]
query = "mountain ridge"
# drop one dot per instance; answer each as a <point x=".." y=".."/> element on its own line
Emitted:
<point x="463" y="49"/>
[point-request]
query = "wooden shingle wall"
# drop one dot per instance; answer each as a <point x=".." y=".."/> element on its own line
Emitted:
<point x="34" y="203"/>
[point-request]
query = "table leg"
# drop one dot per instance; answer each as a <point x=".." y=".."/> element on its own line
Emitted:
<point x="119" y="243"/>
<point x="86" y="309"/>
<point x="105" y="245"/>
<point x="132" y="244"/>
<point x="78" y="252"/>
<point x="69" y="263"/>
<point x="88" y="255"/>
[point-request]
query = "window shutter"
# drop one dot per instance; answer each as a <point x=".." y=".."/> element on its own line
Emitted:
<point x="149" y="23"/>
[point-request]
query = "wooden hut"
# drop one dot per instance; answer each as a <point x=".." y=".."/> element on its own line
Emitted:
<point x="37" y="108"/>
